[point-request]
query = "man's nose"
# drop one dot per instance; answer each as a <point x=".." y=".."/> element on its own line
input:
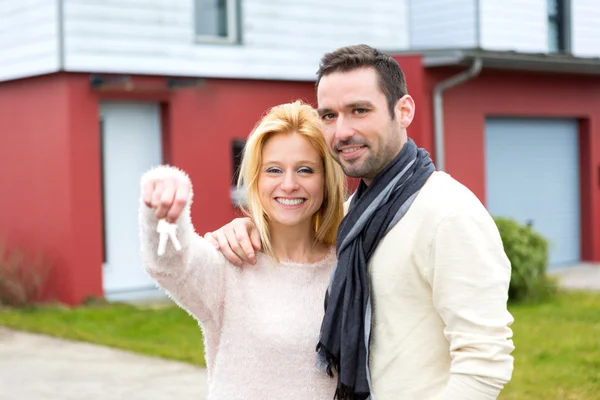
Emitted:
<point x="343" y="129"/>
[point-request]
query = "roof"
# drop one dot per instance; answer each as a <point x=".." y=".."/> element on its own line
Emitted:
<point x="540" y="62"/>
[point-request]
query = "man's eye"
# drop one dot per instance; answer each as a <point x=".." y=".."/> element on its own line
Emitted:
<point x="327" y="117"/>
<point x="360" y="110"/>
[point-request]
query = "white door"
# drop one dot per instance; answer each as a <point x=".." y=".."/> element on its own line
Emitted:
<point x="532" y="175"/>
<point x="131" y="144"/>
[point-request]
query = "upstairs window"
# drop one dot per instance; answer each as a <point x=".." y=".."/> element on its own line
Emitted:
<point x="558" y="26"/>
<point x="216" y="20"/>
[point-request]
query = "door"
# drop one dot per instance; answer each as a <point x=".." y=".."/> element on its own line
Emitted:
<point x="131" y="144"/>
<point x="532" y="175"/>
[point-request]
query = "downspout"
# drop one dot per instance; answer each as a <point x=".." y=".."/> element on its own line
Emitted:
<point x="438" y="108"/>
<point x="61" y="33"/>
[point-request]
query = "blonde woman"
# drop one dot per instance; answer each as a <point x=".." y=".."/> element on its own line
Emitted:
<point x="261" y="324"/>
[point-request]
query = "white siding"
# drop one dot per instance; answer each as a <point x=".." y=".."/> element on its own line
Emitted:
<point x="514" y="25"/>
<point x="282" y="39"/>
<point x="28" y="38"/>
<point x="440" y="24"/>
<point x="585" y="23"/>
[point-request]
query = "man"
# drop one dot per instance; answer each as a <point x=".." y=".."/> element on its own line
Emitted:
<point x="421" y="284"/>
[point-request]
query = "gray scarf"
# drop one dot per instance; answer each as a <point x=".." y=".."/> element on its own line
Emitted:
<point x="373" y="211"/>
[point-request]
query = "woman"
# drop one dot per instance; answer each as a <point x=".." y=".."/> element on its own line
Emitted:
<point x="260" y="323"/>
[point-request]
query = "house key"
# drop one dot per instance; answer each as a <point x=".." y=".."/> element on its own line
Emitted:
<point x="167" y="231"/>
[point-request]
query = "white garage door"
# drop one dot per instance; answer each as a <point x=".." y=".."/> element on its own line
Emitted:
<point x="131" y="144"/>
<point x="532" y="175"/>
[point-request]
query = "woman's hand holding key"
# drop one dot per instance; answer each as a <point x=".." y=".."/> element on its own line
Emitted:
<point x="168" y="196"/>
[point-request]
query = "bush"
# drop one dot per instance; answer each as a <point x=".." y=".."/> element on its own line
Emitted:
<point x="23" y="278"/>
<point x="527" y="251"/>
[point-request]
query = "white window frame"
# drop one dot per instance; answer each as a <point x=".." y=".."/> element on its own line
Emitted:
<point x="233" y="24"/>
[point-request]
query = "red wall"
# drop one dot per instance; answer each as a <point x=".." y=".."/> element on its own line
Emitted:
<point x="50" y="147"/>
<point x="496" y="93"/>
<point x="40" y="206"/>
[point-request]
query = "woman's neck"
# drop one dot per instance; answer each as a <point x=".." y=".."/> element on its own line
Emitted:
<point x="296" y="244"/>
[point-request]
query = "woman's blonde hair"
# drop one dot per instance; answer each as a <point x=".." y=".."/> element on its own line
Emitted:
<point x="292" y="118"/>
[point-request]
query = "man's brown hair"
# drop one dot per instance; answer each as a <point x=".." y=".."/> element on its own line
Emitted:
<point x="391" y="78"/>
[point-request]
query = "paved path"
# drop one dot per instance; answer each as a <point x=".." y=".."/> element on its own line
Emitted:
<point x="38" y="367"/>
<point x="581" y="276"/>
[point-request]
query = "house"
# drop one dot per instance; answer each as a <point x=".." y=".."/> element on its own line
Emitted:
<point x="95" y="92"/>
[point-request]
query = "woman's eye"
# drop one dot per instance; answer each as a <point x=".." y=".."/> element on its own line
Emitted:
<point x="305" y="170"/>
<point x="273" y="170"/>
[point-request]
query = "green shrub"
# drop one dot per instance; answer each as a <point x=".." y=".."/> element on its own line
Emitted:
<point x="527" y="251"/>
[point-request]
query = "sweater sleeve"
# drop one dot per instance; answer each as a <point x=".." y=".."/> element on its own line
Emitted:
<point x="470" y="280"/>
<point x="194" y="276"/>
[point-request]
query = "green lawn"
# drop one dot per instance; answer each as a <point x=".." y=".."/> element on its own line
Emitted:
<point x="557" y="343"/>
<point x="159" y="331"/>
<point x="557" y="353"/>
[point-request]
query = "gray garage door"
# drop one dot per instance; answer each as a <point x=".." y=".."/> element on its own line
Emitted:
<point x="532" y="175"/>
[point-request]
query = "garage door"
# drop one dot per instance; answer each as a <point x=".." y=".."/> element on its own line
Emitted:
<point x="532" y="175"/>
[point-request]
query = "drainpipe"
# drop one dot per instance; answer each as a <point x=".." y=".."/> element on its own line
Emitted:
<point x="438" y="108"/>
<point x="61" y="33"/>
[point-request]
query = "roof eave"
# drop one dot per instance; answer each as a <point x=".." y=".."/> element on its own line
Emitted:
<point x="537" y="62"/>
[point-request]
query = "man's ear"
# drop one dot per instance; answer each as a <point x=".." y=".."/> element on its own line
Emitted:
<point x="405" y="110"/>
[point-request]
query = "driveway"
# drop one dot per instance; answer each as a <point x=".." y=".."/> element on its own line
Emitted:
<point x="38" y="367"/>
<point x="584" y="276"/>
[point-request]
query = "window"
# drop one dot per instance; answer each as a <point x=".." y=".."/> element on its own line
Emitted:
<point x="237" y="148"/>
<point x="216" y="20"/>
<point x="558" y="26"/>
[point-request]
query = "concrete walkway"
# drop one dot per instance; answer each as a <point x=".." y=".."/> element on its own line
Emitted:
<point x="38" y="367"/>
<point x="579" y="277"/>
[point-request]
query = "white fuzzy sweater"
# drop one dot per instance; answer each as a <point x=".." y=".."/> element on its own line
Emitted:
<point x="260" y="322"/>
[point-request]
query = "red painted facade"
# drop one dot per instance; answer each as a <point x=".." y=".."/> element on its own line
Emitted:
<point x="50" y="149"/>
<point x="518" y="94"/>
<point x="50" y="152"/>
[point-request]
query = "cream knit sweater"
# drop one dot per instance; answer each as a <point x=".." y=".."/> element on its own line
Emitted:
<point x="260" y="322"/>
<point x="439" y="282"/>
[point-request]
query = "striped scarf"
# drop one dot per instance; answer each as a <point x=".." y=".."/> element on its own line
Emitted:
<point x="373" y="211"/>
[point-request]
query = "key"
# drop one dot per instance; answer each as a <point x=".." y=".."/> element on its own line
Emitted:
<point x="167" y="231"/>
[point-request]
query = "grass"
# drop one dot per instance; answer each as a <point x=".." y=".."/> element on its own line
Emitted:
<point x="557" y="349"/>
<point x="167" y="332"/>
<point x="557" y="353"/>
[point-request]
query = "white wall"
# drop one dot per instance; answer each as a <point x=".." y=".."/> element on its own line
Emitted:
<point x="441" y="24"/>
<point x="516" y="25"/>
<point x="28" y="38"/>
<point x="585" y="28"/>
<point x="282" y="39"/>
